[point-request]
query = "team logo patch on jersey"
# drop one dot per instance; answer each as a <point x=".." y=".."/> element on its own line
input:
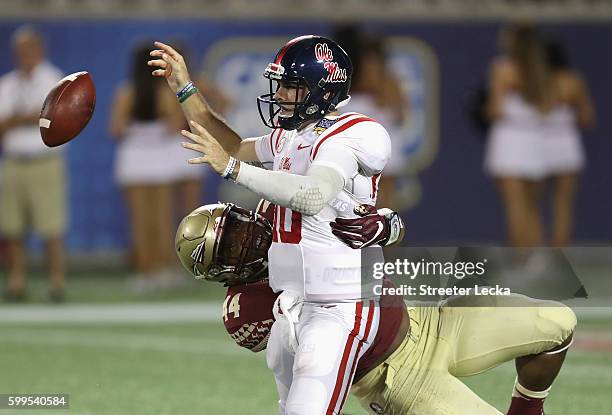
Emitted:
<point x="323" y="125"/>
<point x="285" y="163"/>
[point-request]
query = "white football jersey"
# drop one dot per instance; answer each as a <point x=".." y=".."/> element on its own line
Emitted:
<point x="305" y="257"/>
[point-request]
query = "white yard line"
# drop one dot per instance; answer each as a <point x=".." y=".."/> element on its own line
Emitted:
<point x="108" y="339"/>
<point x="154" y="313"/>
<point x="111" y="313"/>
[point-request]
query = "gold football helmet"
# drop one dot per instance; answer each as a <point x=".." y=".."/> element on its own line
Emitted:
<point x="225" y="243"/>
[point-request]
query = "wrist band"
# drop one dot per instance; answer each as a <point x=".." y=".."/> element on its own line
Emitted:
<point x="229" y="169"/>
<point x="187" y="91"/>
<point x="185" y="88"/>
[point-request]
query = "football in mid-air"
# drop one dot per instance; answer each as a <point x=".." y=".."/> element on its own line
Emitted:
<point x="67" y="109"/>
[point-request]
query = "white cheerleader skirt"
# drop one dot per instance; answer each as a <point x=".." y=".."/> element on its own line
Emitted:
<point x="513" y="153"/>
<point x="564" y="153"/>
<point x="142" y="156"/>
<point x="177" y="157"/>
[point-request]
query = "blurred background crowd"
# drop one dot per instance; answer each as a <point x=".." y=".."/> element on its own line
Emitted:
<point x="493" y="119"/>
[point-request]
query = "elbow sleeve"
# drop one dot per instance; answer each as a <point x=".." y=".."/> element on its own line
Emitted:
<point x="324" y="183"/>
<point x="305" y="194"/>
<point x="308" y="201"/>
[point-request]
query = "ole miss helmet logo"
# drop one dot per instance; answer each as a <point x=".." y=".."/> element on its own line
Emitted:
<point x="325" y="55"/>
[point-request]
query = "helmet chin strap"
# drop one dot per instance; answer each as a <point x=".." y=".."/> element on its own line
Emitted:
<point x="305" y="122"/>
<point x="340" y="104"/>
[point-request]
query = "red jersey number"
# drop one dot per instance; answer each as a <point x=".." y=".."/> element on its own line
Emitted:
<point x="281" y="234"/>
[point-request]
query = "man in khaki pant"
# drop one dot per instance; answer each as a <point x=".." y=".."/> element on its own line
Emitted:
<point x="32" y="182"/>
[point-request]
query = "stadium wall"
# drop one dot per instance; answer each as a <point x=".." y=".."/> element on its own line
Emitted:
<point x="458" y="203"/>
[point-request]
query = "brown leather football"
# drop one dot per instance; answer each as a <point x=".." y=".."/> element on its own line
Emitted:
<point x="67" y="109"/>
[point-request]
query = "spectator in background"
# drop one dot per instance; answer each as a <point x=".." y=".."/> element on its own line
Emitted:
<point x="376" y="91"/>
<point x="33" y="189"/>
<point x="534" y="110"/>
<point x="144" y="119"/>
<point x="563" y="148"/>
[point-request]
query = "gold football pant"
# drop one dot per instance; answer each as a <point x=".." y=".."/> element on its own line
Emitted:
<point x="449" y="340"/>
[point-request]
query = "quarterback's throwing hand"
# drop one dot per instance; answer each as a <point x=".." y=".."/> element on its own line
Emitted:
<point x="170" y="64"/>
<point x="212" y="153"/>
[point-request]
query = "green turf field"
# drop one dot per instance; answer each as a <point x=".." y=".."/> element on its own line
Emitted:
<point x="196" y="369"/>
<point x="157" y="367"/>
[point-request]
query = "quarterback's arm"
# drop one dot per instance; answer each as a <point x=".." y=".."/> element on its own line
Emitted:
<point x="307" y="194"/>
<point x="171" y="65"/>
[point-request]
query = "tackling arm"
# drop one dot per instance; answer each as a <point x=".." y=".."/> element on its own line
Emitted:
<point x="382" y="227"/>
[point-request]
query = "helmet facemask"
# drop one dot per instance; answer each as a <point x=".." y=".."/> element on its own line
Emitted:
<point x="241" y="247"/>
<point x="303" y="110"/>
<point x="274" y="117"/>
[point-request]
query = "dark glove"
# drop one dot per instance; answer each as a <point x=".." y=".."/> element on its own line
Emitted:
<point x="383" y="227"/>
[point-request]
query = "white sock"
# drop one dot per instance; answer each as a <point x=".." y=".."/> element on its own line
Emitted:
<point x="522" y="392"/>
